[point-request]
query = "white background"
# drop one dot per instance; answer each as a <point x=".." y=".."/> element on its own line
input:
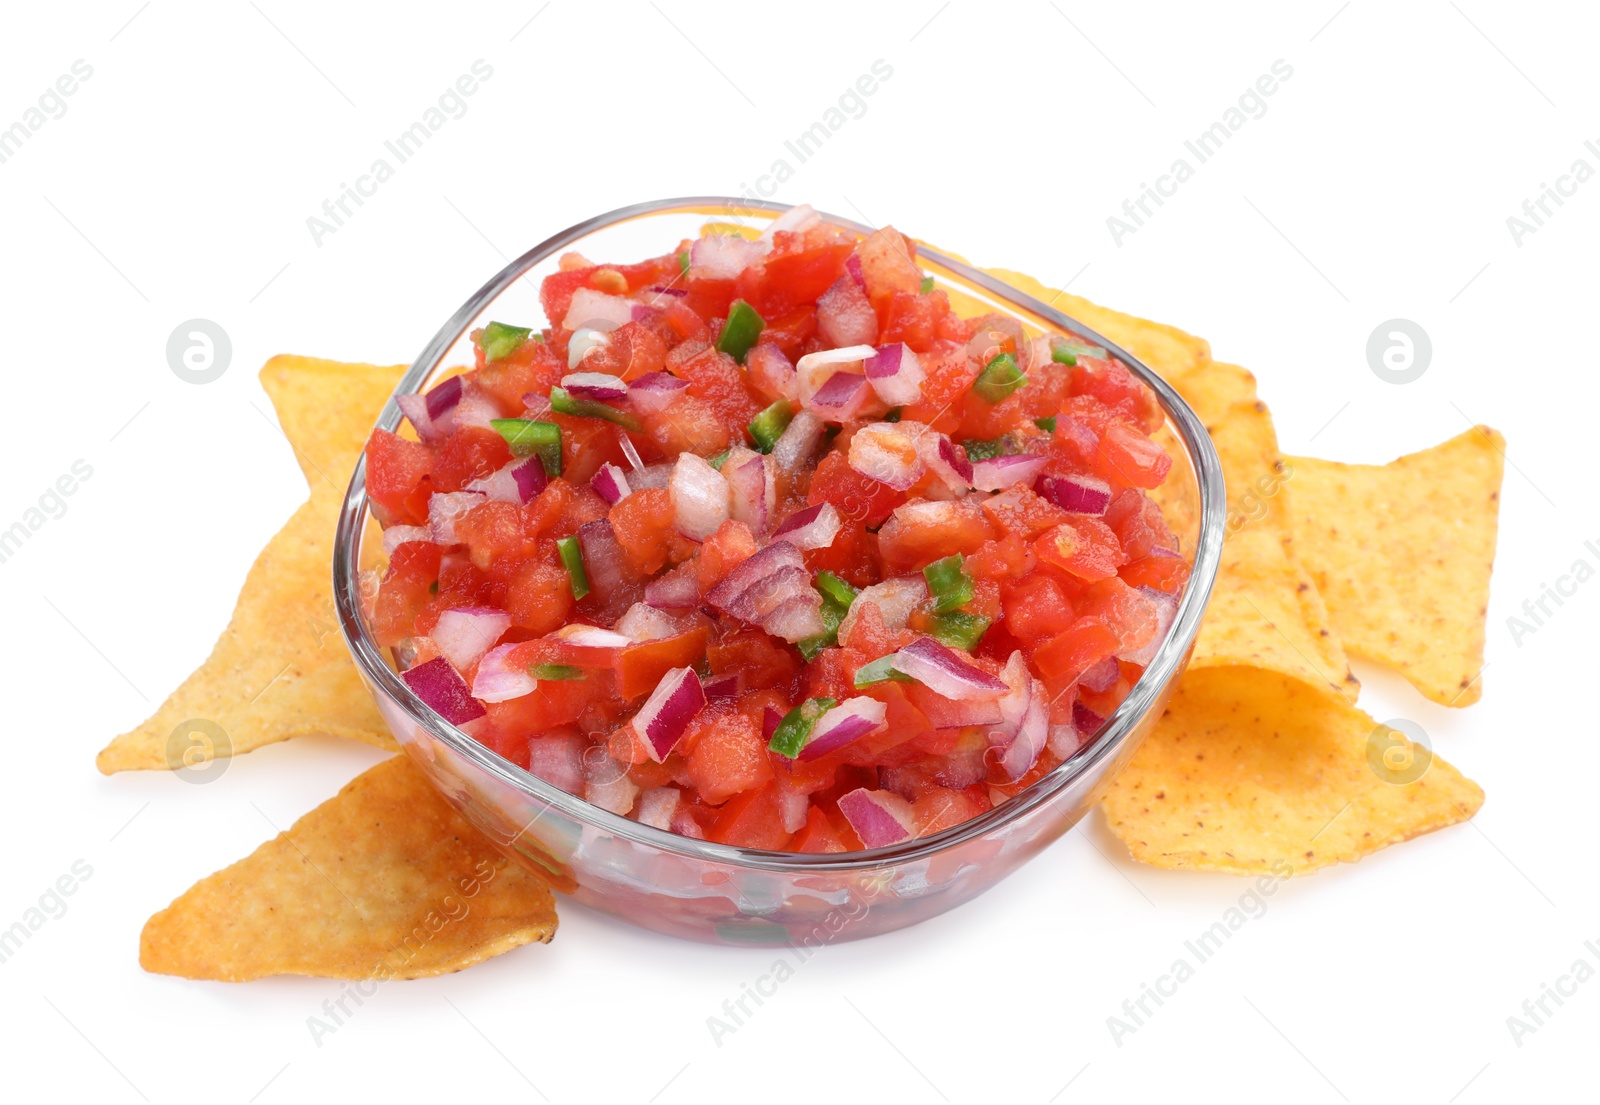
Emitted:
<point x="1377" y="185"/>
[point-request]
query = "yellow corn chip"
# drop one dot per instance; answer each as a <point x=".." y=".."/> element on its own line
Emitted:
<point x="1402" y="553"/>
<point x="385" y="880"/>
<point x="1250" y="771"/>
<point x="326" y="410"/>
<point x="281" y="668"/>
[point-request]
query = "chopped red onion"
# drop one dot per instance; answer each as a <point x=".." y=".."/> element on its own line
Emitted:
<point x="841" y="397"/>
<point x="657" y="805"/>
<point x="772" y="590"/>
<point x="675" y="590"/>
<point x="585" y="340"/>
<point x="726" y="686"/>
<point x="415" y="408"/>
<point x="596" y="311"/>
<point x="794" y="805"/>
<point x="752" y="490"/>
<point x="666" y="714"/>
<point x="465" y="633"/>
<point x="591" y="636"/>
<point x="1025" y="719"/>
<point x="812" y="527"/>
<point x="771" y="718"/>
<point x="517" y="482"/>
<point x="595" y="385"/>
<point x="895" y="374"/>
<point x="655" y="391"/>
<point x="815" y="369"/>
<point x="845" y="315"/>
<point x="945" y="459"/>
<point x="441" y="687"/>
<point x="610" y="484"/>
<point x="531" y="478"/>
<point x="604" y="562"/>
<point x="1001" y="472"/>
<point x="498" y="681"/>
<point x="945" y="672"/>
<point x="1085" y="720"/>
<point x="395" y="536"/>
<point x="445" y="509"/>
<point x="443" y="397"/>
<point x="852" y="265"/>
<point x="628" y="449"/>
<point x="657" y="291"/>
<point x="799" y="443"/>
<point x="879" y="817"/>
<point x="723" y="256"/>
<point x="643" y="622"/>
<point x="886" y="452"/>
<point x="1101" y="676"/>
<point x="896" y="600"/>
<point x="558" y="760"/>
<point x="1166" y="612"/>
<point x="1079" y="494"/>
<point x="606" y="783"/>
<point x="477" y="408"/>
<point x="851" y="720"/>
<point x="699" y="497"/>
<point x="1064" y="741"/>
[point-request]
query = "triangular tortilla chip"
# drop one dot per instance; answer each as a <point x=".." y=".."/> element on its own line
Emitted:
<point x="326" y="409"/>
<point x="1402" y="554"/>
<point x="1265" y="610"/>
<point x="385" y="880"/>
<point x="1255" y="772"/>
<point x="281" y="668"/>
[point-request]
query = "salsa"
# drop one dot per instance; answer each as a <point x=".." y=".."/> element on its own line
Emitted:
<point x="759" y="542"/>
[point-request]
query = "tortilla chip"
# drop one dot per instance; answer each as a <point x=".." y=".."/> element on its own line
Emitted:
<point x="1265" y="609"/>
<point x="385" y="880"/>
<point x="326" y="409"/>
<point x="281" y="668"/>
<point x="1402" y="554"/>
<point x="1252" y="772"/>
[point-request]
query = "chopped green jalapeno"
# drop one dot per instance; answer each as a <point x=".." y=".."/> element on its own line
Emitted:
<point x="741" y="331"/>
<point x="563" y="402"/>
<point x="528" y="438"/>
<point x="881" y="670"/>
<point x="949" y="584"/>
<point x="572" y="560"/>
<point x="500" y="340"/>
<point x="554" y="673"/>
<point x="999" y="378"/>
<point x="959" y="630"/>
<point x="795" y="729"/>
<point x="768" y="426"/>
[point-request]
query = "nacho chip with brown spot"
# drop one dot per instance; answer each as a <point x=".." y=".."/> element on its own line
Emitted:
<point x="281" y="669"/>
<point x="1249" y="771"/>
<point x="385" y="880"/>
<point x="1402" y="554"/>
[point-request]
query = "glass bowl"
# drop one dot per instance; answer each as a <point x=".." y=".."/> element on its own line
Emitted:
<point x="716" y="892"/>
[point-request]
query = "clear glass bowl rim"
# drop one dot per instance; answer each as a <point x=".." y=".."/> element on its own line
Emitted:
<point x="1118" y="727"/>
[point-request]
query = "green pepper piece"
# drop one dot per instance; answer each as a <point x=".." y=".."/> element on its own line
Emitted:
<point x="979" y="449"/>
<point x="837" y="595"/>
<point x="881" y="670"/>
<point x="529" y="438"/>
<point x="959" y="630"/>
<point x="768" y="426"/>
<point x="719" y="460"/>
<point x="927" y="284"/>
<point x="500" y="340"/>
<point x="999" y="378"/>
<point x="894" y="414"/>
<point x="572" y="560"/>
<point x="795" y="729"/>
<point x="562" y="402"/>
<point x="553" y="673"/>
<point x="1063" y="351"/>
<point x="683" y="262"/>
<point x="835" y="592"/>
<point x="741" y="331"/>
<point x="1048" y="425"/>
<point x="949" y="584"/>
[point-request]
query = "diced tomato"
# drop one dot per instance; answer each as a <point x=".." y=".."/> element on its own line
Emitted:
<point x="752" y="819"/>
<point x="819" y="834"/>
<point x="790" y="332"/>
<point x="1036" y="608"/>
<point x="398" y="478"/>
<point x="1082" y="545"/>
<point x="924" y="532"/>
<point x="1118" y="389"/>
<point x="1018" y="510"/>
<point x="539" y="596"/>
<point x="406" y="587"/>
<point x="534" y="367"/>
<point x="471" y="453"/>
<point x="634" y="350"/>
<point x="943" y="808"/>
<point x="760" y="660"/>
<point x="707" y="298"/>
<point x="640" y="667"/>
<point x="1075" y="650"/>
<point x="1128" y="612"/>
<point x="1129" y="458"/>
<point x="643" y="524"/>
<point x="853" y="556"/>
<point x="1139" y="525"/>
<point x="771" y="371"/>
<point x="1010" y="557"/>
<point x="949" y="374"/>
<point x="914" y="318"/>
<point x="793" y="278"/>
<point x="1164" y="573"/>
<point x="858" y="498"/>
<point x="731" y="545"/>
<point x="555" y="293"/>
<point x="726" y="756"/>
